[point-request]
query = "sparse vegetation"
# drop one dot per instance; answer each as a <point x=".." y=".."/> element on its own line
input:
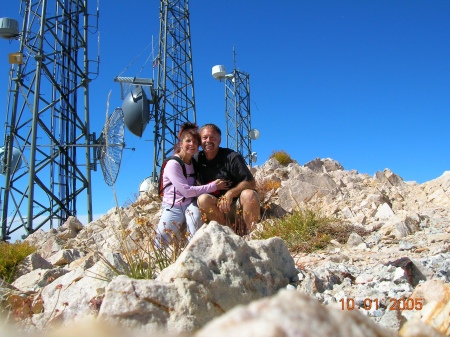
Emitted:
<point x="11" y="255"/>
<point x="282" y="157"/>
<point x="141" y="250"/>
<point x="145" y="257"/>
<point x="305" y="231"/>
<point x="12" y="305"/>
<point x="267" y="189"/>
<point x="266" y="186"/>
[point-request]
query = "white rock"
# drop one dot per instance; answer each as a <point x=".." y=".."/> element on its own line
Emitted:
<point x="217" y="271"/>
<point x="384" y="212"/>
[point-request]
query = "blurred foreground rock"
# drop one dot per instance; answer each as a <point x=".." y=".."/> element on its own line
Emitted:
<point x="292" y="314"/>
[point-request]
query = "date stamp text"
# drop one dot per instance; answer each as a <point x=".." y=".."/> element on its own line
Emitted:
<point x="400" y="304"/>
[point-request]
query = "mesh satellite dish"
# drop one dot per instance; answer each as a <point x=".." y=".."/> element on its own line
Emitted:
<point x="136" y="111"/>
<point x="254" y="134"/>
<point x="111" y="144"/>
<point x="16" y="160"/>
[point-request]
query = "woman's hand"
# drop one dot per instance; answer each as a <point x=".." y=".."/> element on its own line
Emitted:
<point x="222" y="184"/>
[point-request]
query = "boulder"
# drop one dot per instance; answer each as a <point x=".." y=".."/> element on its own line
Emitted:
<point x="32" y="262"/>
<point x="217" y="271"/>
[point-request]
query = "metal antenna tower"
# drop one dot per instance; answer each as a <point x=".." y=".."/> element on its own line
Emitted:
<point x="172" y="98"/>
<point x="237" y="111"/>
<point x="175" y="82"/>
<point x="48" y="117"/>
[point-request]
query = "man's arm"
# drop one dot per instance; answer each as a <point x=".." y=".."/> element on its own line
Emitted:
<point x="225" y="201"/>
<point x="241" y="173"/>
<point x="243" y="185"/>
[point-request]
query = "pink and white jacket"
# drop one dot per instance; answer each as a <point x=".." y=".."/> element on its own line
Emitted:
<point x="182" y="187"/>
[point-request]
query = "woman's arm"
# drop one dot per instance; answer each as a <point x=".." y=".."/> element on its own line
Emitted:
<point x="173" y="172"/>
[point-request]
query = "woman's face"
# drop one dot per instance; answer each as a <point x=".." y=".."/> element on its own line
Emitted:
<point x="189" y="145"/>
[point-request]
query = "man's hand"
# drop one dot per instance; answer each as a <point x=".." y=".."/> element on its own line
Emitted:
<point x="224" y="202"/>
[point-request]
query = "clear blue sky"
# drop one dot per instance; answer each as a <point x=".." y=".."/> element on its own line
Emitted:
<point x="366" y="83"/>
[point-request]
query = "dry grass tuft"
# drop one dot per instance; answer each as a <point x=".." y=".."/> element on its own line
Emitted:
<point x="282" y="157"/>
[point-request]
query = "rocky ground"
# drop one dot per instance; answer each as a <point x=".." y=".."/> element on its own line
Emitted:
<point x="393" y="281"/>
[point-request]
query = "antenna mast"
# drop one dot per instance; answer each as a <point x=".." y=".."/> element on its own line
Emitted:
<point x="170" y="102"/>
<point x="48" y="118"/>
<point x="175" y="82"/>
<point x="237" y="110"/>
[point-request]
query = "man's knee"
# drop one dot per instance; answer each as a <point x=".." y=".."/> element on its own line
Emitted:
<point x="206" y="201"/>
<point x="249" y="198"/>
<point x="203" y="200"/>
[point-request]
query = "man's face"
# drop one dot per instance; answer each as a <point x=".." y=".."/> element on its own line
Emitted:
<point x="210" y="142"/>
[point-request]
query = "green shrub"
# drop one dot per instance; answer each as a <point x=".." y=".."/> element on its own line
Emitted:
<point x="306" y="231"/>
<point x="11" y="255"/>
<point x="282" y="157"/>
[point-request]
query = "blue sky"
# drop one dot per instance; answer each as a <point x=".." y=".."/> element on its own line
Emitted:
<point x="366" y="83"/>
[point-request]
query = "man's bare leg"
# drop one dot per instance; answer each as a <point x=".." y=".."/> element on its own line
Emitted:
<point x="249" y="200"/>
<point x="208" y="206"/>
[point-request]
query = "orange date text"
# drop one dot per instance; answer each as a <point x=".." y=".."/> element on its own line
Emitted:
<point x="400" y="304"/>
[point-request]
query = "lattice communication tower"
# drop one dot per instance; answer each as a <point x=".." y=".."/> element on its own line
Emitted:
<point x="239" y="134"/>
<point x="237" y="113"/>
<point x="172" y="99"/>
<point x="46" y="158"/>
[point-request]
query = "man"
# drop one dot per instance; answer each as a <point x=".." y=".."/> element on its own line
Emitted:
<point x="215" y="162"/>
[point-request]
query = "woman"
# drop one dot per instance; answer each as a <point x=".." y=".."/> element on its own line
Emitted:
<point x="179" y="203"/>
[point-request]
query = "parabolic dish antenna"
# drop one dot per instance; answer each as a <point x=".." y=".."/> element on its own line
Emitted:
<point x="9" y="28"/>
<point x="146" y="185"/>
<point x="136" y="111"/>
<point x="16" y="160"/>
<point x="219" y="72"/>
<point x="254" y="134"/>
<point x="111" y="144"/>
